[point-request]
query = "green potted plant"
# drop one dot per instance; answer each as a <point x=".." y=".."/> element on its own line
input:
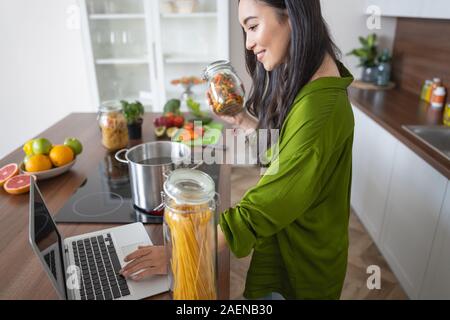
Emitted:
<point x="367" y="55"/>
<point x="134" y="112"/>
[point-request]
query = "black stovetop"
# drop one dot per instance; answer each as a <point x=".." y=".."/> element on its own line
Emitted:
<point x="105" y="196"/>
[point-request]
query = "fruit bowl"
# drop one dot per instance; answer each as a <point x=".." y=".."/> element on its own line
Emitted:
<point x="48" y="174"/>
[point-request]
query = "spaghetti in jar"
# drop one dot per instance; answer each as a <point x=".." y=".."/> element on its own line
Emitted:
<point x="190" y="235"/>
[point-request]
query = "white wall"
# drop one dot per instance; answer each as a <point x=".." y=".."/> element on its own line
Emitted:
<point x="43" y="73"/>
<point x="346" y="20"/>
<point x="237" y="45"/>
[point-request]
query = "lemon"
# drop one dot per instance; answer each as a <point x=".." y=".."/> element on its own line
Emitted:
<point x="28" y="148"/>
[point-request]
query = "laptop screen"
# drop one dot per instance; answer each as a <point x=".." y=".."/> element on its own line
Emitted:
<point x="48" y="241"/>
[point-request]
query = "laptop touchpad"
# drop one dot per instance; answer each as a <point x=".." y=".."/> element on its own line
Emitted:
<point x="131" y="248"/>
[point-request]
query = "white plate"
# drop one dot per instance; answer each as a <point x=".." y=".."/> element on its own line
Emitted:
<point x="48" y="174"/>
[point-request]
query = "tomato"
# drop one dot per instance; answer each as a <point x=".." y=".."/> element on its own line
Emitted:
<point x="170" y="121"/>
<point x="189" y="126"/>
<point x="160" y="122"/>
<point x="186" y="135"/>
<point x="178" y="121"/>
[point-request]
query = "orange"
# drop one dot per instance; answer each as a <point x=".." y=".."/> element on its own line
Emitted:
<point x="37" y="163"/>
<point x="18" y="185"/>
<point x="7" y="172"/>
<point x="61" y="155"/>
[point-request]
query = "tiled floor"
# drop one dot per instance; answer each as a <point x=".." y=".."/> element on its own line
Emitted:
<point x="362" y="253"/>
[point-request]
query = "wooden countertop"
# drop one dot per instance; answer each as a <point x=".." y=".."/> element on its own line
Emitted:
<point x="395" y="108"/>
<point x="21" y="274"/>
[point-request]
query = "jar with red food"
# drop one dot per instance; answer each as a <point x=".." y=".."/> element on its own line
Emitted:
<point x="225" y="89"/>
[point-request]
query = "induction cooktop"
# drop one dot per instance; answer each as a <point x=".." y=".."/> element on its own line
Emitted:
<point x="105" y="197"/>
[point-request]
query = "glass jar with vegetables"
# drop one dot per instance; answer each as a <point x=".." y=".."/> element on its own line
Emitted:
<point x="190" y="234"/>
<point x="225" y="89"/>
<point x="113" y="126"/>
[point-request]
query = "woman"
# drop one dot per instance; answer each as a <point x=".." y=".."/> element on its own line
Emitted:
<point x="296" y="218"/>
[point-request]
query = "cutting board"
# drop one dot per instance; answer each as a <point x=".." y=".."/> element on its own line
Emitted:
<point x="213" y="133"/>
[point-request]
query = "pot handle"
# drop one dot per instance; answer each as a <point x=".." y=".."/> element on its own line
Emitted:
<point x="162" y="205"/>
<point x="196" y="166"/>
<point x="217" y="199"/>
<point x="118" y="158"/>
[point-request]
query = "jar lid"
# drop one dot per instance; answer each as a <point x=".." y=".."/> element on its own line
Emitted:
<point x="215" y="66"/>
<point x="110" y="106"/>
<point x="187" y="186"/>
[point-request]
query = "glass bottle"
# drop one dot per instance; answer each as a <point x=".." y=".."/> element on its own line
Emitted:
<point x="447" y="115"/>
<point x="438" y="98"/>
<point x="225" y="88"/>
<point x="425" y="88"/>
<point x="190" y="235"/>
<point x="437" y="82"/>
<point x="113" y="126"/>
<point x="383" y="75"/>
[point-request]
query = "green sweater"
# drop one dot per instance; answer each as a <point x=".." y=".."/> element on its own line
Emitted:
<point x="296" y="217"/>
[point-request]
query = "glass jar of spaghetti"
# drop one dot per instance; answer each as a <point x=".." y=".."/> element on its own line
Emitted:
<point x="113" y="126"/>
<point x="190" y="234"/>
<point x="225" y="89"/>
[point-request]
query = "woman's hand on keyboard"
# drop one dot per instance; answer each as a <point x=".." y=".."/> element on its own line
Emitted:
<point x="144" y="262"/>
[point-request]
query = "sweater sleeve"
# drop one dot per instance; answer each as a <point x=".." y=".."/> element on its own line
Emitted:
<point x="283" y="194"/>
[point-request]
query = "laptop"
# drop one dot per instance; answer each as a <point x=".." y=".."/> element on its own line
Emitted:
<point x="86" y="267"/>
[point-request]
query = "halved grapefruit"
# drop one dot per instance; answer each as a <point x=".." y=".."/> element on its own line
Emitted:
<point x="7" y="172"/>
<point x="18" y="185"/>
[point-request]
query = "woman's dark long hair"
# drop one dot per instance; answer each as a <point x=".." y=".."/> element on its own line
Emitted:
<point x="310" y="42"/>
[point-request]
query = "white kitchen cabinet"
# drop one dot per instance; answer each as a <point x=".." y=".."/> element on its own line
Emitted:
<point x="437" y="279"/>
<point x="415" y="200"/>
<point x="373" y="158"/>
<point x="437" y="9"/>
<point x="134" y="48"/>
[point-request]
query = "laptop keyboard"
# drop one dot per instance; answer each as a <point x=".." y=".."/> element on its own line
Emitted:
<point x="50" y="259"/>
<point x="99" y="265"/>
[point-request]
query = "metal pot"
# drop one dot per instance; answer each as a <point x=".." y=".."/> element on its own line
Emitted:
<point x="148" y="172"/>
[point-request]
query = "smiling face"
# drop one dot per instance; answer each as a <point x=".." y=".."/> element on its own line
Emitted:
<point x="268" y="34"/>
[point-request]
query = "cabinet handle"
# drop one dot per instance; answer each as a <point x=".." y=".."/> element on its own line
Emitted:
<point x="154" y="60"/>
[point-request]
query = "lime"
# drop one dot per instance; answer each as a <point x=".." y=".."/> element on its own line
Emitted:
<point x="25" y="160"/>
<point x="41" y="146"/>
<point x="74" y="144"/>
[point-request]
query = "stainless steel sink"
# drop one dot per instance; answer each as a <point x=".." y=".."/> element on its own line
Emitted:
<point x="437" y="137"/>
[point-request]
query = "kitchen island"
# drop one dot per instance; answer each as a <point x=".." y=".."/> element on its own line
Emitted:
<point x="22" y="276"/>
